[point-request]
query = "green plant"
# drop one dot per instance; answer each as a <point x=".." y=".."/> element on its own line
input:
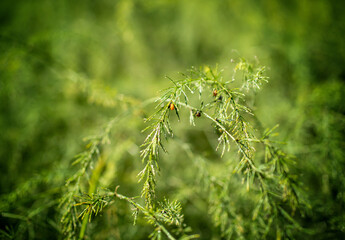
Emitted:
<point x="270" y="194"/>
<point x="68" y="68"/>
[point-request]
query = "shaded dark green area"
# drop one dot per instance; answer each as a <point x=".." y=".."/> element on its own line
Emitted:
<point x="68" y="67"/>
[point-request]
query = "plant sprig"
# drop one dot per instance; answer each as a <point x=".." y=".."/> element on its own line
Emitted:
<point x="230" y="116"/>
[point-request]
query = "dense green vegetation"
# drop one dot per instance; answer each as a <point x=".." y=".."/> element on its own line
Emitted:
<point x="80" y="80"/>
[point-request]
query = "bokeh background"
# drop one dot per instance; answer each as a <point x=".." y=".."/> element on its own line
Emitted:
<point x="67" y="67"/>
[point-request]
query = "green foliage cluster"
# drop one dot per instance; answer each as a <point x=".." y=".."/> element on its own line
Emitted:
<point x="276" y="197"/>
<point x="201" y="159"/>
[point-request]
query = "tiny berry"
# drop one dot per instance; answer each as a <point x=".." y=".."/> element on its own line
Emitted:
<point x="171" y="106"/>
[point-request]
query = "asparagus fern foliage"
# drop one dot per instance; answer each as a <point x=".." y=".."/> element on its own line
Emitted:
<point x="260" y="163"/>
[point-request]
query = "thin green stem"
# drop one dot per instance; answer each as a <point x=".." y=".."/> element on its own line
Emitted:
<point x="148" y="213"/>
<point x="92" y="188"/>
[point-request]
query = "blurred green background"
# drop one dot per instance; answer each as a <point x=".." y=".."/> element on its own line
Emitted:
<point x="67" y="67"/>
